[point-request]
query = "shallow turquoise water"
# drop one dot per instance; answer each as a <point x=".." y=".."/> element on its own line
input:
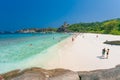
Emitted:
<point x="15" y="48"/>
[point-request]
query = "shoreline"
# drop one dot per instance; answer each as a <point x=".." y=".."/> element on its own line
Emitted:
<point x="38" y="60"/>
<point x="80" y="55"/>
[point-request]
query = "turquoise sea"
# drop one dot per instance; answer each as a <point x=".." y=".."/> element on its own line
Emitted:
<point x="15" y="49"/>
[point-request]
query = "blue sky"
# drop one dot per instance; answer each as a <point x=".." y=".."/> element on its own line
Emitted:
<point x="19" y="14"/>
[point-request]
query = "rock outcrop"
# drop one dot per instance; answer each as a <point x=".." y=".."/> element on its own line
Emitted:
<point x="105" y="74"/>
<point x="36" y="30"/>
<point x="112" y="42"/>
<point x="41" y="74"/>
<point x="63" y="28"/>
<point x="63" y="74"/>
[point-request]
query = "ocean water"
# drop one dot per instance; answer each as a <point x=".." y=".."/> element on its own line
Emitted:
<point x="15" y="49"/>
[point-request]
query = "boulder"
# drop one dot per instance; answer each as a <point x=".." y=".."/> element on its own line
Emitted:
<point x="105" y="74"/>
<point x="41" y="74"/>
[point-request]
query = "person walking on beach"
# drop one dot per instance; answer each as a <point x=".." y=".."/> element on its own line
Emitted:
<point x="103" y="52"/>
<point x="107" y="53"/>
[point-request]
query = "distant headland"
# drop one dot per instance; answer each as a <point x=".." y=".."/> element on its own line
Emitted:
<point x="105" y="27"/>
<point x="63" y="28"/>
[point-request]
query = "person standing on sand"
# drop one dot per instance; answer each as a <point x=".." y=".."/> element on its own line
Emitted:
<point x="96" y="36"/>
<point x="1" y="78"/>
<point x="72" y="39"/>
<point x="103" y="52"/>
<point x="107" y="53"/>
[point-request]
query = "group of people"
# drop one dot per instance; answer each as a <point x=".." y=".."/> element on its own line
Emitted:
<point x="105" y="52"/>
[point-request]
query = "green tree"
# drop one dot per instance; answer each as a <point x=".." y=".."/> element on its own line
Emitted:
<point x="109" y="26"/>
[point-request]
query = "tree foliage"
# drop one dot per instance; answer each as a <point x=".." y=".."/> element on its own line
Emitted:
<point x="106" y="27"/>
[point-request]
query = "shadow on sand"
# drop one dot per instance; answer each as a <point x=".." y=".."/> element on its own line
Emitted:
<point x="101" y="57"/>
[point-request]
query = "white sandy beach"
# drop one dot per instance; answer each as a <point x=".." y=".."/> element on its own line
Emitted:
<point x="83" y="54"/>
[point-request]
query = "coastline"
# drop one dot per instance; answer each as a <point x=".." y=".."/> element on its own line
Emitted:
<point x="39" y="60"/>
<point x="80" y="55"/>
